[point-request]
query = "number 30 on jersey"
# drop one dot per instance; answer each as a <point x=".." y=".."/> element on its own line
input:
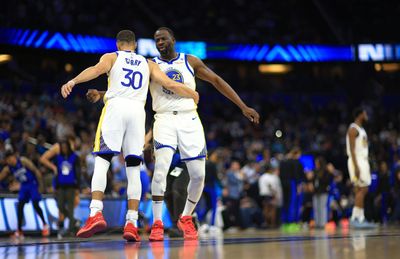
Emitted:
<point x="132" y="79"/>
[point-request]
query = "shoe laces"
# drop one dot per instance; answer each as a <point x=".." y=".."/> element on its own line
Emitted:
<point x="187" y="221"/>
<point x="158" y="227"/>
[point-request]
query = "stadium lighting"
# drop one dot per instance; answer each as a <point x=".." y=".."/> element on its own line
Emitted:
<point x="274" y="69"/>
<point x="278" y="134"/>
<point x="387" y="67"/>
<point x="4" y="58"/>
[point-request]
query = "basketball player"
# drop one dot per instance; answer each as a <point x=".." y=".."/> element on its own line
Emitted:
<point x="358" y="166"/>
<point x="30" y="178"/>
<point x="177" y="125"/>
<point x="122" y="124"/>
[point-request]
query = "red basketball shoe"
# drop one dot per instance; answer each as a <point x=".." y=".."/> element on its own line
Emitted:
<point x="131" y="233"/>
<point x="185" y="224"/>
<point x="93" y="225"/>
<point x="157" y="231"/>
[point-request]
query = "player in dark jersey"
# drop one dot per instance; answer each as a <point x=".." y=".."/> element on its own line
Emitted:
<point x="31" y="182"/>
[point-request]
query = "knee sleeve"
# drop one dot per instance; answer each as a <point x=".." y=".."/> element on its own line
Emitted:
<point x="132" y="161"/>
<point x="159" y="182"/>
<point x="197" y="173"/>
<point x="162" y="164"/>
<point x="134" y="189"/>
<point x="99" y="180"/>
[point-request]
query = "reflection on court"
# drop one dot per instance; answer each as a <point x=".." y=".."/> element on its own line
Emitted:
<point x="254" y="244"/>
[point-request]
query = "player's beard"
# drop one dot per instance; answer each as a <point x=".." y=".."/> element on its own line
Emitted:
<point x="166" y="52"/>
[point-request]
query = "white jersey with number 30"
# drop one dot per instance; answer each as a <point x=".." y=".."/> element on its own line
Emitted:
<point x="129" y="77"/>
<point x="178" y="69"/>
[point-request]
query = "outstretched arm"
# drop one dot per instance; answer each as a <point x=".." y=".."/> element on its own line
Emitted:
<point x="205" y="73"/>
<point x="103" y="66"/>
<point x="180" y="89"/>
<point x="45" y="159"/>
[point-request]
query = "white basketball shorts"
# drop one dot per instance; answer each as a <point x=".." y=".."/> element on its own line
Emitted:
<point x="365" y="172"/>
<point x="121" y="126"/>
<point x="182" y="130"/>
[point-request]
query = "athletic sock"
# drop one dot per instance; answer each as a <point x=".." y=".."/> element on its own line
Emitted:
<point x="95" y="206"/>
<point x="132" y="217"/>
<point x="157" y="210"/>
<point x="189" y="207"/>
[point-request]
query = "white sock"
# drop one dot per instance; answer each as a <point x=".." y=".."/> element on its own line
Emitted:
<point x="95" y="206"/>
<point x="353" y="214"/>
<point x="361" y="216"/>
<point x="99" y="179"/>
<point x="358" y="214"/>
<point x="189" y="208"/>
<point x="157" y="210"/>
<point x="132" y="217"/>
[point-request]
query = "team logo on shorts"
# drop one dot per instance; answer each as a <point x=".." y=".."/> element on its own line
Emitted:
<point x="174" y="75"/>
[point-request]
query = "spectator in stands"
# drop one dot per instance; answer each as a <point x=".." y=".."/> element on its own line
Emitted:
<point x="291" y="174"/>
<point x="269" y="190"/>
<point x="396" y="197"/>
<point x="308" y="193"/>
<point x="211" y="193"/>
<point x="383" y="198"/>
<point x="232" y="193"/>
<point x="322" y="181"/>
<point x="66" y="170"/>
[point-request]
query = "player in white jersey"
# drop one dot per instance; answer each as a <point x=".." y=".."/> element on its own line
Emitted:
<point x="122" y="124"/>
<point x="358" y="166"/>
<point x="177" y="125"/>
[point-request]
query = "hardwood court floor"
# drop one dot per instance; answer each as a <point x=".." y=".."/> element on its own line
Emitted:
<point x="374" y="244"/>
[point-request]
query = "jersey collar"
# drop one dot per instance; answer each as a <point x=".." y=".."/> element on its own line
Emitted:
<point x="170" y="61"/>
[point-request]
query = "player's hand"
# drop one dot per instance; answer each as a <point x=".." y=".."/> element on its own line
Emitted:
<point x="196" y="97"/>
<point x="251" y="114"/>
<point x="93" y="95"/>
<point x="66" y="89"/>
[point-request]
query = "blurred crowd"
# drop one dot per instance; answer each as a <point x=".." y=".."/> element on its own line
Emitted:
<point x="289" y="169"/>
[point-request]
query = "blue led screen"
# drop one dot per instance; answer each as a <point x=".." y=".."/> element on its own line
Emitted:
<point x="265" y="53"/>
<point x="280" y="53"/>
